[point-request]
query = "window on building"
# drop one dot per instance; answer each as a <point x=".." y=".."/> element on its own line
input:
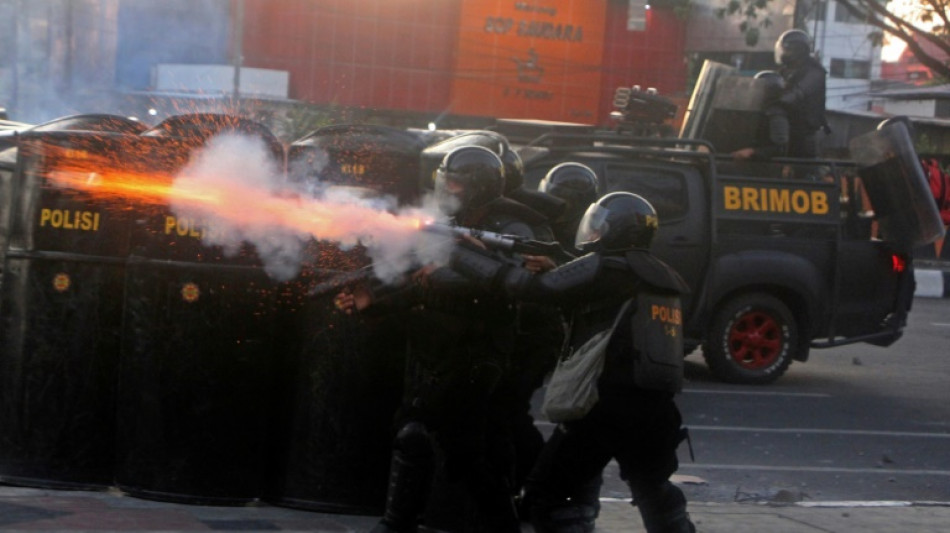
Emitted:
<point x="942" y="109"/>
<point x="850" y="68"/>
<point x="842" y="14"/>
<point x="815" y="10"/>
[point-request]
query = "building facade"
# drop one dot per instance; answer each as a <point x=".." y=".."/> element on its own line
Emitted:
<point x="546" y="59"/>
<point x="841" y="41"/>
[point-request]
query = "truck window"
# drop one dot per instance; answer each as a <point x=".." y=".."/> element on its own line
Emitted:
<point x="664" y="188"/>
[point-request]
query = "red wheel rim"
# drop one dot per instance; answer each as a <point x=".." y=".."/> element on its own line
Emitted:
<point x="755" y="340"/>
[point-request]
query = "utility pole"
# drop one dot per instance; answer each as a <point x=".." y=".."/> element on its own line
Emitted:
<point x="238" y="46"/>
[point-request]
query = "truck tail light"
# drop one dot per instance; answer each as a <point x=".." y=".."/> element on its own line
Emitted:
<point x="898" y="263"/>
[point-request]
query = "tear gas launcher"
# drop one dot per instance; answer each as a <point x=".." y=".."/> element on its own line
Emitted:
<point x="494" y="241"/>
<point x="499" y="241"/>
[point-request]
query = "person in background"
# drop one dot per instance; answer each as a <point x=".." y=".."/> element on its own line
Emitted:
<point x="803" y="97"/>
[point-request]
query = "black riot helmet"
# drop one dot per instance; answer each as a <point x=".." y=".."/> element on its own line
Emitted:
<point x="619" y="221"/>
<point x="514" y="168"/>
<point x="792" y="48"/>
<point x="575" y="183"/>
<point x="468" y="178"/>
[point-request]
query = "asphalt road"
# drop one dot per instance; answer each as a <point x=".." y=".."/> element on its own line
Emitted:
<point x="854" y="423"/>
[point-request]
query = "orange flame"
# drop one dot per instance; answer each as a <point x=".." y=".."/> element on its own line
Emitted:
<point x="233" y="203"/>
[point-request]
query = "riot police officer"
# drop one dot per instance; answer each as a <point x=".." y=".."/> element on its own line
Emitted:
<point x="636" y="425"/>
<point x="804" y="94"/>
<point x="460" y="342"/>
<point x="577" y="185"/>
<point x="538" y="337"/>
<point x="550" y="206"/>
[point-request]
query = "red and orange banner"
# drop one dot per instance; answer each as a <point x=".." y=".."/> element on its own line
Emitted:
<point x="530" y="59"/>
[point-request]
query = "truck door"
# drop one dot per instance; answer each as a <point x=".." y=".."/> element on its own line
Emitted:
<point x="676" y="192"/>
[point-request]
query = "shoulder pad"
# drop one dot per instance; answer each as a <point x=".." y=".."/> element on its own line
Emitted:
<point x="613" y="261"/>
<point x="546" y="204"/>
<point x="506" y="207"/>
<point x="579" y="272"/>
<point x="655" y="272"/>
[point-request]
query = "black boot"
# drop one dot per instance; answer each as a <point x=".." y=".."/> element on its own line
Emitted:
<point x="564" y="518"/>
<point x="663" y="510"/>
<point x="410" y="476"/>
<point x="586" y="498"/>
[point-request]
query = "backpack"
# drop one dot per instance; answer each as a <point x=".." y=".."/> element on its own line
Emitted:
<point x="940" y="187"/>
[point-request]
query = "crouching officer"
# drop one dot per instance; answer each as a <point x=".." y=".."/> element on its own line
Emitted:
<point x="635" y="420"/>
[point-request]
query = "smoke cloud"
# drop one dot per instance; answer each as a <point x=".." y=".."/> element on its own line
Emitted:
<point x="247" y="200"/>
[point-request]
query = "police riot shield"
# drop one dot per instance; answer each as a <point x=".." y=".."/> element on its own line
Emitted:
<point x="374" y="158"/>
<point x="194" y="130"/>
<point x="197" y="366"/>
<point x="61" y="309"/>
<point x="341" y="380"/>
<point x="896" y="186"/>
<point x="98" y="122"/>
<point x="7" y="168"/>
<point x="701" y="101"/>
<point x="736" y="115"/>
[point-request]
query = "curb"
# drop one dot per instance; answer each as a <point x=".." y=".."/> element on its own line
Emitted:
<point x="932" y="283"/>
<point x="852" y="504"/>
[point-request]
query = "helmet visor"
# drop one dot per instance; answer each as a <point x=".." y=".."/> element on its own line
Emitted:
<point x="779" y="53"/>
<point x="449" y="193"/>
<point x="592" y="227"/>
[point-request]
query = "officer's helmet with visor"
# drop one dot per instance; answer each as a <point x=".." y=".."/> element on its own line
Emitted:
<point x="792" y="48"/>
<point x="575" y="183"/>
<point x="617" y="222"/>
<point x="514" y="168"/>
<point x="468" y="178"/>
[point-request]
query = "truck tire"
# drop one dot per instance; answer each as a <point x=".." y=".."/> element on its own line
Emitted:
<point x="751" y="340"/>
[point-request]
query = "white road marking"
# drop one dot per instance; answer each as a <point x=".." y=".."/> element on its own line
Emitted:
<point x="929" y="283"/>
<point x="818" y="431"/>
<point x="757" y="393"/>
<point x="817" y="469"/>
<point x="831" y="504"/>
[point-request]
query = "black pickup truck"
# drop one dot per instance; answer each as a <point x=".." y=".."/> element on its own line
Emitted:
<point x="782" y="256"/>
